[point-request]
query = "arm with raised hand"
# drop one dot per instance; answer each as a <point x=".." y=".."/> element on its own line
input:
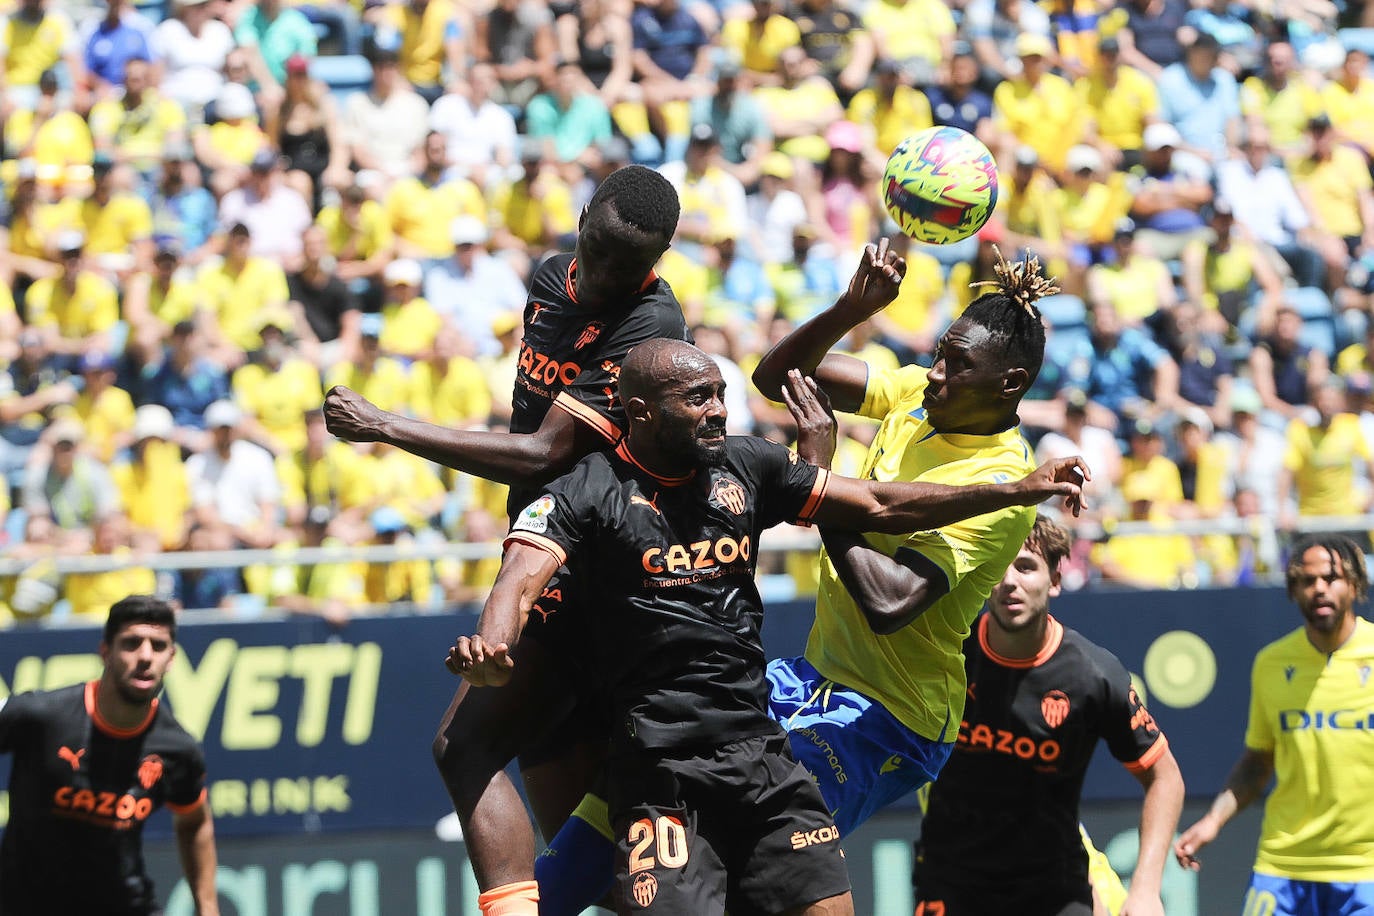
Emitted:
<point x="483" y="660"/>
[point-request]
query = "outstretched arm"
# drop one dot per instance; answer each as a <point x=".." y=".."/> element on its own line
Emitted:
<point x="484" y="659"/>
<point x="1158" y="818"/>
<point x="195" y="832"/>
<point x="509" y="458"/>
<point x="1247" y="782"/>
<point x="871" y="289"/>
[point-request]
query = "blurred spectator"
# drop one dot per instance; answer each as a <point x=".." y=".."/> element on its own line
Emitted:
<point x="1121" y="369"/>
<point x="1151" y="33"/>
<point x="398" y="580"/>
<point x="409" y="322"/>
<point x="156" y="300"/>
<point x="66" y="490"/>
<point x="499" y="370"/>
<point x="846" y="195"/>
<point x="326" y="311"/>
<point x="809" y="280"/>
<point x="447" y="385"/>
<point x="1284" y="370"/>
<point x="1358" y="358"/>
<point x="275" y="213"/>
<point x="919" y="34"/>
<point x="434" y="34"/>
<point x="380" y="379"/>
<point x="1225" y="275"/>
<point x="225" y="149"/>
<point x="758" y="39"/>
<point x="109" y="43"/>
<point x="801" y="104"/>
<point x="1229" y="25"/>
<point x="516" y="38"/>
<point x="1145" y="459"/>
<point x="275" y="32"/>
<point x="672" y="57"/>
<point x="185" y="382"/>
<point x="535" y="213"/>
<point x="834" y="37"/>
<point x="1168" y="202"/>
<point x="1146" y="560"/>
<point x="423" y="206"/>
<point x="956" y="100"/>
<point x="192" y="46"/>
<point x="91" y="594"/>
<point x="472" y="287"/>
<point x="740" y="123"/>
<point x="1038" y="108"/>
<point x="1253" y="451"/>
<point x="1136" y="284"/>
<point x="30" y="255"/>
<point x="276" y="387"/>
<point x="739" y="299"/>
<point x="893" y="107"/>
<point x="480" y="134"/>
<point x="234" y="487"/>
<point x="775" y="211"/>
<point x="1280" y="98"/>
<point x="184" y="212"/>
<point x="1119" y="102"/>
<point x="117" y="222"/>
<point x="1201" y="465"/>
<point x="53" y="138"/>
<point x="1346" y="99"/>
<point x="405" y="482"/>
<point x="911" y="323"/>
<point x="1201" y="99"/>
<point x="152" y="481"/>
<point x="36" y="38"/>
<point x="993" y="28"/>
<point x="315" y="477"/>
<point x="240" y="289"/>
<point x="77" y="310"/>
<point x="1028" y="208"/>
<point x="1097" y="446"/>
<point x="105" y="411"/>
<point x="10" y="326"/>
<point x="1334" y="184"/>
<point x="1089" y="208"/>
<point x="358" y="236"/>
<point x="712" y="199"/>
<point x="1258" y="191"/>
<point x="595" y="35"/>
<point x="1317" y="465"/>
<point x="307" y="131"/>
<point x="385" y="125"/>
<point x="570" y="116"/>
<point x="30" y="388"/>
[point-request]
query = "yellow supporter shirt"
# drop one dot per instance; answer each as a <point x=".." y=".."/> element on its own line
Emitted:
<point x="32" y="47"/>
<point x="155" y="492"/>
<point x="458" y="398"/>
<point x="409" y="328"/>
<point x="1334" y="187"/>
<point x="62" y="141"/>
<point x="1089" y="217"/>
<point x="1164" y="483"/>
<point x="92" y="307"/>
<point x="1353" y="359"/>
<point x="330" y="480"/>
<point x="1315" y="713"/>
<point x="422" y="38"/>
<point x="238" y="143"/>
<point x="242" y="298"/>
<point x="1032" y="210"/>
<point x="1119" y="111"/>
<point x="105" y="417"/>
<point x="1046" y="117"/>
<point x="914" y="308"/>
<point x="375" y="234"/>
<point x="526" y="214"/>
<point x="1320" y="460"/>
<point x="280" y="398"/>
<point x="113" y="227"/>
<point x="1225" y="271"/>
<point x="912" y="29"/>
<point x="91" y="594"/>
<point x="1285" y="111"/>
<point x="1352" y="113"/>
<point x="1132" y="288"/>
<point x="405" y="482"/>
<point x="387" y="384"/>
<point x="178" y="302"/>
<point x="401" y="580"/>
<point x="893" y="120"/>
<point x="759" y="51"/>
<point x="1156" y="560"/>
<point x="917" y="673"/>
<point x="139" y="135"/>
<point x="706" y="197"/>
<point x="422" y="215"/>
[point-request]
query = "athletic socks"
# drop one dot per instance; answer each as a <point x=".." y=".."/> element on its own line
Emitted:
<point x="578" y="868"/>
<point x="519" y="898"/>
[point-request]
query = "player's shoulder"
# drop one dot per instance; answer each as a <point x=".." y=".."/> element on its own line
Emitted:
<point x="168" y="731"/>
<point x="45" y="703"/>
<point x="1088" y="658"/>
<point x="550" y="279"/>
<point x="1282" y="650"/>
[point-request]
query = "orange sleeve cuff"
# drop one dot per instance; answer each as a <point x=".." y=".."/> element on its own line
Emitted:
<point x="187" y="809"/>
<point x="538" y="540"/>
<point x="580" y="411"/>
<point x="818" y="489"/>
<point x="1150" y="757"/>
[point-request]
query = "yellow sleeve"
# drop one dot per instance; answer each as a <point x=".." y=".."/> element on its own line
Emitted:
<point x="1259" y="731"/>
<point x="1294" y="455"/>
<point x="884" y="390"/>
<point x="106" y="311"/>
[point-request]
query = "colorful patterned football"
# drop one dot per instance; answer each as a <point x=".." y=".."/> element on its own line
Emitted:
<point x="940" y="185"/>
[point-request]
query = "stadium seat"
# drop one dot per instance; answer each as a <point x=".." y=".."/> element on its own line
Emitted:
<point x="1320" y="334"/>
<point x="343" y="73"/>
<point x="1309" y="301"/>
<point x="1063" y="310"/>
<point x="337" y="30"/>
<point x="1357" y="40"/>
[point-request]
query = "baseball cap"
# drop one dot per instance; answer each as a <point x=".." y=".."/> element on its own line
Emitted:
<point x="297" y="63"/>
<point x="387" y="520"/>
<point x="66" y="429"/>
<point x="234" y="101"/>
<point x="221" y="414"/>
<point x="703" y="134"/>
<point x="1125" y="227"/>
<point x="1158" y="136"/>
<point x="468" y="230"/>
<point x="95" y="361"/>
<point x="370" y="325"/>
<point x="1083" y="157"/>
<point x="1245" y="399"/>
<point x="1109" y="45"/>
<point x="1320" y="121"/>
<point x="845" y="135"/>
<point x="778" y="165"/>
<point x="264" y="160"/>
<point x="1196" y="416"/>
<point x="1033" y="44"/>
<point x="1143" y="427"/>
<point x="101" y="164"/>
<point x="153" y="421"/>
<point x="1026" y="155"/>
<point x="70" y="240"/>
<point x="403" y="270"/>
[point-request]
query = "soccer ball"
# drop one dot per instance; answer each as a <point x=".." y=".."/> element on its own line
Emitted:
<point x="940" y="185"/>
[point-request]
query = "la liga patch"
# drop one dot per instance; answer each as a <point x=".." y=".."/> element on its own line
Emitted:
<point x="535" y="517"/>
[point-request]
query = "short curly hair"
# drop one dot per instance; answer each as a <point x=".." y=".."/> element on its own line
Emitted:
<point x="642" y="198"/>
<point x="1345" y="556"/>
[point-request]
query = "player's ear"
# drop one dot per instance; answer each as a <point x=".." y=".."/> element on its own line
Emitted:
<point x="1015" y="382"/>
<point x="637" y="410"/>
<point x="1056" y="584"/>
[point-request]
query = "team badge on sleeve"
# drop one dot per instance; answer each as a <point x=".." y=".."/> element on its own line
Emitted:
<point x="535" y="517"/>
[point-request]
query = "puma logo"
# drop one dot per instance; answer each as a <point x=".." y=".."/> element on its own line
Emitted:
<point x="72" y="757"/>
<point x="651" y="503"/>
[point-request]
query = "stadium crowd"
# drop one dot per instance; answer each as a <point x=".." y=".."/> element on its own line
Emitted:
<point x="216" y="211"/>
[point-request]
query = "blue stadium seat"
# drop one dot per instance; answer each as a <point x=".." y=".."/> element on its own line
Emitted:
<point x="1320" y="334"/>
<point x="1357" y="39"/>
<point x="1063" y="311"/>
<point x="343" y="73"/>
<point x="1310" y="302"/>
<point x="337" y="29"/>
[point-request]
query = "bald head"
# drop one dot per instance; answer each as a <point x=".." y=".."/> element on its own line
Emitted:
<point x="674" y="399"/>
<point x="655" y="366"/>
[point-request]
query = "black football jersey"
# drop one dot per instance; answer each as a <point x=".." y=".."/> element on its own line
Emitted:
<point x="670" y="598"/>
<point x="80" y="793"/>
<point x="1004" y="811"/>
<point x="571" y="355"/>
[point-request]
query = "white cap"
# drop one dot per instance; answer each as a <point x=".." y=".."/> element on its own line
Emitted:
<point x="403" y="270"/>
<point x="69" y="240"/>
<point x="222" y="413"/>
<point x="234" y="101"/>
<point x="153" y="421"/>
<point x="1084" y="157"/>
<point x="1158" y="136"/>
<point x="468" y="230"/>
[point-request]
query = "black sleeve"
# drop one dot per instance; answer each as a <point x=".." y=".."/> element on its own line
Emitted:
<point x="788" y="487"/>
<point x="562" y="520"/>
<point x="187" y="784"/>
<point x="16" y="716"/>
<point x="1130" y="731"/>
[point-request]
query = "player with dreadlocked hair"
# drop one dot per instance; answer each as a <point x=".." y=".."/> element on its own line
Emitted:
<point x="1311" y="705"/>
<point x="872" y="709"/>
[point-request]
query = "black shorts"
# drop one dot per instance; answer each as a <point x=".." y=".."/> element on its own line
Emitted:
<point x="991" y="898"/>
<point x="741" y="822"/>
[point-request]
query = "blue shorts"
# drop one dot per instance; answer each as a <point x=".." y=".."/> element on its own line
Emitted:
<point x="1271" y="896"/>
<point x="862" y="758"/>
